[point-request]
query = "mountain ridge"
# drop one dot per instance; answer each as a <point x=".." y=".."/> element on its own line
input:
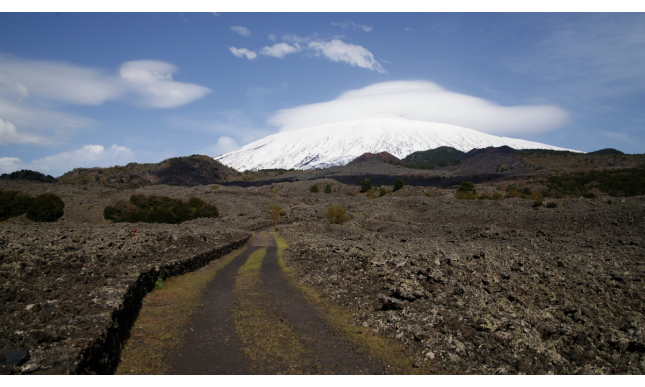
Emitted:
<point x="339" y="143"/>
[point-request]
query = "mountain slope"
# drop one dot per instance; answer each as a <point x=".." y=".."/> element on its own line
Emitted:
<point x="341" y="142"/>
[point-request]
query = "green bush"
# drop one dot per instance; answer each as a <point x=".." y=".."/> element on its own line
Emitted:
<point x="537" y="203"/>
<point x="398" y="184"/>
<point x="42" y="208"/>
<point x="328" y="189"/>
<point x="337" y="214"/>
<point x="382" y="191"/>
<point x="366" y="185"/>
<point x="372" y="195"/>
<point x="551" y="205"/>
<point x="350" y="194"/>
<point x="484" y="196"/>
<point x="467" y="186"/>
<point x="314" y="189"/>
<point x="497" y="196"/>
<point x="159" y="209"/>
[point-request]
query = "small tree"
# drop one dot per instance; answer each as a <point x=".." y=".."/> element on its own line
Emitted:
<point x="382" y="191"/>
<point x="328" y="189"/>
<point x="398" y="184"/>
<point x="314" y="188"/>
<point x="366" y="185"/>
<point x="466" y="186"/>
<point x="337" y="214"/>
<point x="275" y="212"/>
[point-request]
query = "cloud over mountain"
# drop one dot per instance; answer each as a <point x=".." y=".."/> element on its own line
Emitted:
<point x="423" y="101"/>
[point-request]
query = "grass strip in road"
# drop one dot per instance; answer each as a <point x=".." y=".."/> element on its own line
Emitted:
<point x="388" y="352"/>
<point x="165" y="311"/>
<point x="270" y="343"/>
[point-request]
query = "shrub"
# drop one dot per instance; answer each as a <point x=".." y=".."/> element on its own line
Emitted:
<point x="241" y="214"/>
<point x="314" y="188"/>
<point x="610" y="202"/>
<point x="350" y="194"/>
<point x="215" y="186"/>
<point x="497" y="196"/>
<point x="466" y="186"/>
<point x="372" y="195"/>
<point x="159" y="209"/>
<point x="328" y="189"/>
<point x="159" y="283"/>
<point x="366" y="185"/>
<point x="46" y="208"/>
<point x="551" y="205"/>
<point x="398" y="184"/>
<point x="537" y="203"/>
<point x="42" y="208"/>
<point x="382" y="191"/>
<point x="336" y="214"/>
<point x="275" y="212"/>
<point x="484" y="196"/>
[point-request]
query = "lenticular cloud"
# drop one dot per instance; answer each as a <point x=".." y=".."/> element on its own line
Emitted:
<point x="423" y="101"/>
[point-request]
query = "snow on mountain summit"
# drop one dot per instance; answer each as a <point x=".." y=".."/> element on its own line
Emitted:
<point x="341" y="142"/>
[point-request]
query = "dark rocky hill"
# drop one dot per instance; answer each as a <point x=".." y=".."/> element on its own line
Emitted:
<point x="607" y="151"/>
<point x="382" y="156"/>
<point x="26" y="174"/>
<point x="184" y="171"/>
<point x="443" y="156"/>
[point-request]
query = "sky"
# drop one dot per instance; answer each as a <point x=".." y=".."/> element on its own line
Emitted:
<point x="103" y="89"/>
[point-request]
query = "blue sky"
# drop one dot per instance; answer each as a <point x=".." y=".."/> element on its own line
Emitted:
<point x="100" y="89"/>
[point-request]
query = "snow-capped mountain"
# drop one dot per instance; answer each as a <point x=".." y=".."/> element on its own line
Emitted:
<point x="341" y="142"/>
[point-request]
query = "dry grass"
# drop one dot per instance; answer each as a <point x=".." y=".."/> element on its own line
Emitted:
<point x="158" y="329"/>
<point x="386" y="351"/>
<point x="270" y="343"/>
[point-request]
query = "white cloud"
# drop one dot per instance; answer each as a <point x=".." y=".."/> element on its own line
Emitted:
<point x="152" y="83"/>
<point x="13" y="88"/>
<point x="10" y="135"/>
<point x="61" y="82"/>
<point x="241" y="30"/>
<point x="147" y="82"/>
<point x="224" y="144"/>
<point x="240" y="52"/>
<point x="279" y="50"/>
<point x="338" y="51"/>
<point x="87" y="157"/>
<point x="297" y="39"/>
<point x="49" y="126"/>
<point x="425" y="101"/>
<point x="273" y="37"/>
<point x="348" y="23"/>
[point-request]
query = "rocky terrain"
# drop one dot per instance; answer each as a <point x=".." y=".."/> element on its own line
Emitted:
<point x="483" y="287"/>
<point x="470" y="286"/>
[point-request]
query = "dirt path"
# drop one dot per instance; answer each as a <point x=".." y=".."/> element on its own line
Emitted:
<point x="331" y="354"/>
<point x="210" y="345"/>
<point x="302" y="341"/>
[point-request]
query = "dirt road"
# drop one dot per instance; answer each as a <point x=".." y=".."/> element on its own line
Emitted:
<point x="252" y="321"/>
